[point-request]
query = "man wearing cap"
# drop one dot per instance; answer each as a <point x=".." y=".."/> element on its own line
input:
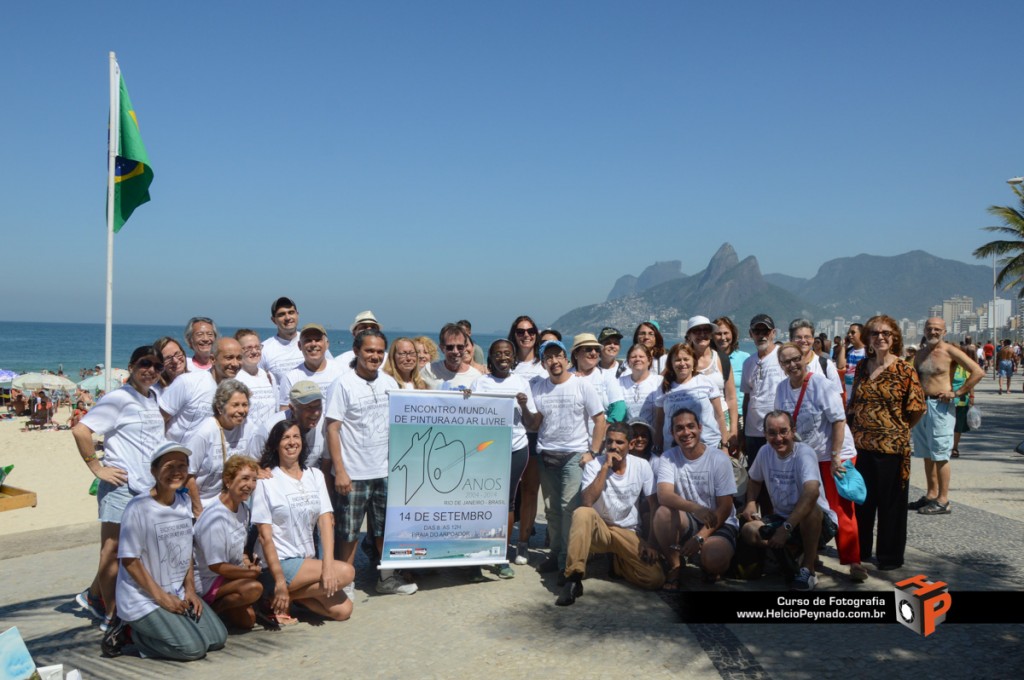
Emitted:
<point x="306" y="407"/>
<point x="611" y="343"/>
<point x="761" y="376"/>
<point x="188" y="401"/>
<point x="450" y="372"/>
<point x="586" y="356"/>
<point x="568" y="406"/>
<point x="315" y="364"/>
<point x="281" y="352"/>
<point x="363" y="321"/>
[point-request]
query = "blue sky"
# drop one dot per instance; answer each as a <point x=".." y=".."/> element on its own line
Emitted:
<point x="463" y="159"/>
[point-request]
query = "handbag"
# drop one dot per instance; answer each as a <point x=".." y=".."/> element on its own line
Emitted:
<point x="851" y="485"/>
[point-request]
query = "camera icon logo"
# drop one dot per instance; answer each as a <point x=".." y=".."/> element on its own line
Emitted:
<point x="921" y="605"/>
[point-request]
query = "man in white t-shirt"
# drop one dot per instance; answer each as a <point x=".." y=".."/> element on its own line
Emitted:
<point x="200" y="334"/>
<point x="188" y="401"/>
<point x="357" y="440"/>
<point x="450" y="372"/>
<point x="363" y="321"/>
<point x="761" y="377"/>
<point x="262" y="386"/>
<point x="281" y="352"/>
<point x="316" y="364"/>
<point x="565" y="404"/>
<point x="607" y="520"/>
<point x="802" y="518"/>
<point x="306" y="407"/>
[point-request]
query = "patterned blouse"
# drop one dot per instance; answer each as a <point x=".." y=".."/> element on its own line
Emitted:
<point x="881" y="407"/>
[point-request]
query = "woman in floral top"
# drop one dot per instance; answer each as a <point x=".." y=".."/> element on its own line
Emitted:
<point x="887" y="402"/>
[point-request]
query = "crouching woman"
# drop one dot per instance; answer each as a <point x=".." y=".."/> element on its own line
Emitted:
<point x="156" y="593"/>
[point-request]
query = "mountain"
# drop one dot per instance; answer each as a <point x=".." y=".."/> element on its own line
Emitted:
<point x="903" y="286"/>
<point x="727" y="287"/>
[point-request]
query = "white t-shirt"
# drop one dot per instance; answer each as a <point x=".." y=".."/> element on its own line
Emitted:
<point x="315" y="438"/>
<point x="220" y="539"/>
<point x="822" y="406"/>
<point x="207" y="460"/>
<point x="160" y="536"/>
<point x="761" y="378"/>
<point x="608" y="390"/>
<point x="785" y="477"/>
<point x="361" y="406"/>
<point x="263" y="395"/>
<point x="280" y="356"/>
<point x="189" y="401"/>
<point x="531" y="370"/>
<point x="191" y="366"/>
<point x="567" y="409"/>
<point x="702" y="481"/>
<point x="132" y="427"/>
<point x="293" y="507"/>
<point x="514" y="384"/>
<point x="831" y="372"/>
<point x="695" y="394"/>
<point x="640" y="396"/>
<point x="617" y="503"/>
<point x="324" y="379"/>
<point x="439" y="377"/>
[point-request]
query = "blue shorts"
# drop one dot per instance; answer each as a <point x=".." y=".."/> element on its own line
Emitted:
<point x="112" y="501"/>
<point x="290" y="566"/>
<point x="1005" y="368"/>
<point x="933" y="434"/>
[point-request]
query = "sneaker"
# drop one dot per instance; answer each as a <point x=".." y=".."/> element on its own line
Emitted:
<point x="393" y="585"/>
<point x="919" y="503"/>
<point x="92" y="605"/>
<point x="504" y="571"/>
<point x="804" y="580"/>
<point x="572" y="589"/>
<point x="522" y="553"/>
<point x="549" y="565"/>
<point x="935" y="508"/>
<point x="115" y="638"/>
<point x="106" y="623"/>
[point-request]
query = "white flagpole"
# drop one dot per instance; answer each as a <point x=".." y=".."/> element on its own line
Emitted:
<point x="115" y="136"/>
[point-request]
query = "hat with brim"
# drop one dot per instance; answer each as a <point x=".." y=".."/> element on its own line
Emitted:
<point x="584" y="340"/>
<point x="168" y="447"/>
<point x="364" y="319"/>
<point x="312" y="328"/>
<point x="304" y="392"/>
<point x="643" y="423"/>
<point x="698" y="322"/>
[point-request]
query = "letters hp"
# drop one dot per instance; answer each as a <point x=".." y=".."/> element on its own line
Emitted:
<point x="921" y="604"/>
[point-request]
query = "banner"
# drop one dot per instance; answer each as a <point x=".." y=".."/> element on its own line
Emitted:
<point x="449" y="461"/>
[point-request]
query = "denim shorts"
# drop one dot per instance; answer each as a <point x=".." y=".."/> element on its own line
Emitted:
<point x="112" y="501"/>
<point x="290" y="566"/>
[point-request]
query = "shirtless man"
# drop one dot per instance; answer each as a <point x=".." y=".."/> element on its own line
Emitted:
<point x="1005" y="365"/>
<point x="935" y="363"/>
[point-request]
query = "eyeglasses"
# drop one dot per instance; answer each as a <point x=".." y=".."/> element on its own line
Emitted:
<point x="526" y="331"/>
<point x="885" y="335"/>
<point x="794" y="360"/>
<point x="405" y="355"/>
<point x="454" y="348"/>
<point x="149" y="363"/>
<point x="176" y="357"/>
<point x="552" y="357"/>
<point x="255" y="349"/>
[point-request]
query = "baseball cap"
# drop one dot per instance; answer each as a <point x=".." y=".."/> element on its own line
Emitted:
<point x="763" y="320"/>
<point x="304" y="392"/>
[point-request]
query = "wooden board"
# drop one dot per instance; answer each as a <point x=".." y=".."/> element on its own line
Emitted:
<point x="12" y="498"/>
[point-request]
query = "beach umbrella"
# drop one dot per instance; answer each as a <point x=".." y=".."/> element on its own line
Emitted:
<point x="98" y="382"/>
<point x="42" y="381"/>
<point x="6" y="377"/>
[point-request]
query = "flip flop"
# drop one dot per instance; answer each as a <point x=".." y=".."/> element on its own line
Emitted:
<point x="671" y="584"/>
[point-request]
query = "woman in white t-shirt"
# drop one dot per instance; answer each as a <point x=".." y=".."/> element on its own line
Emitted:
<point x="524" y="335"/>
<point x="156" y="594"/>
<point x="226" y="578"/>
<point x="683" y="387"/>
<point x="501" y="380"/>
<point x="648" y="334"/>
<point x="821" y="424"/>
<point x="130" y="422"/>
<point x="226" y="433"/>
<point x="710" y="365"/>
<point x="402" y="364"/>
<point x="639" y="385"/>
<point x="173" y="357"/>
<point x="286" y="508"/>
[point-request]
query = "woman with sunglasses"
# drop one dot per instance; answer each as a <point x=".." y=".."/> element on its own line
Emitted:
<point x="887" y="401"/>
<point x="132" y="427"/>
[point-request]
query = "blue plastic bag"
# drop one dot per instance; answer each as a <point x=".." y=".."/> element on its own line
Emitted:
<point x="851" y="485"/>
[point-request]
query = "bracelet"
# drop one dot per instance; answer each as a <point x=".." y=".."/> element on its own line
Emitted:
<point x="90" y="458"/>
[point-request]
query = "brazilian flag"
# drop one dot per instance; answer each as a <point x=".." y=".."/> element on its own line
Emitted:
<point x="132" y="172"/>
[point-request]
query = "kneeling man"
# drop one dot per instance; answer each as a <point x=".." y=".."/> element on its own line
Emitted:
<point x="802" y="517"/>
<point x="607" y="520"/>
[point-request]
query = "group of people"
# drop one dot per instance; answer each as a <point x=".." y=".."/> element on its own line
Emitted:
<point x="237" y="473"/>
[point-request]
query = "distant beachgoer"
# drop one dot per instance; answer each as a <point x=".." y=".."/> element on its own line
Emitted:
<point x="648" y="333"/>
<point x="189" y="399"/>
<point x="200" y="335"/>
<point x="76" y="415"/>
<point x="1005" y="365"/>
<point x="129" y="420"/>
<point x="263" y="390"/>
<point x="226" y="433"/>
<point x="281" y="352"/>
<point x="173" y="357"/>
<point x="426" y="350"/>
<point x="403" y="366"/>
<point x="856" y="351"/>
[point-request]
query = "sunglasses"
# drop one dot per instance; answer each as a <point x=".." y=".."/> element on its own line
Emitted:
<point x="454" y="348"/>
<point x="149" y="363"/>
<point x="526" y="331"/>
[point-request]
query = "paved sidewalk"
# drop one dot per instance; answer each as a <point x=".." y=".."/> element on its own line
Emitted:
<point x="452" y="629"/>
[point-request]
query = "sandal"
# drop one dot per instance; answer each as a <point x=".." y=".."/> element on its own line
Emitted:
<point x="671" y="584"/>
<point x="955" y="454"/>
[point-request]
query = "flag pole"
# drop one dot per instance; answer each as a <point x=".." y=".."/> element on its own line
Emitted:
<point x="112" y="144"/>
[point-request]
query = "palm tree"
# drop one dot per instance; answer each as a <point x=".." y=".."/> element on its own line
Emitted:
<point x="1011" y="250"/>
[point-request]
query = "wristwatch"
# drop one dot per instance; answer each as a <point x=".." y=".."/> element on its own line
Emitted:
<point x="787" y="526"/>
<point x="699" y="539"/>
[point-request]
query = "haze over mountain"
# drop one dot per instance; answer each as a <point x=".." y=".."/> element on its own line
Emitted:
<point x="901" y="286"/>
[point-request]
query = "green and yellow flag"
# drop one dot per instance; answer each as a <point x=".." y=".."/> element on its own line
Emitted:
<point x="132" y="172"/>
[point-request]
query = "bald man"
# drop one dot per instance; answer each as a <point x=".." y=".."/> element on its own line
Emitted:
<point x="189" y="399"/>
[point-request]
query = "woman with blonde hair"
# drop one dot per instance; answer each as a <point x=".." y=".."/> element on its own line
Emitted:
<point x="402" y="364"/>
<point x="426" y="351"/>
